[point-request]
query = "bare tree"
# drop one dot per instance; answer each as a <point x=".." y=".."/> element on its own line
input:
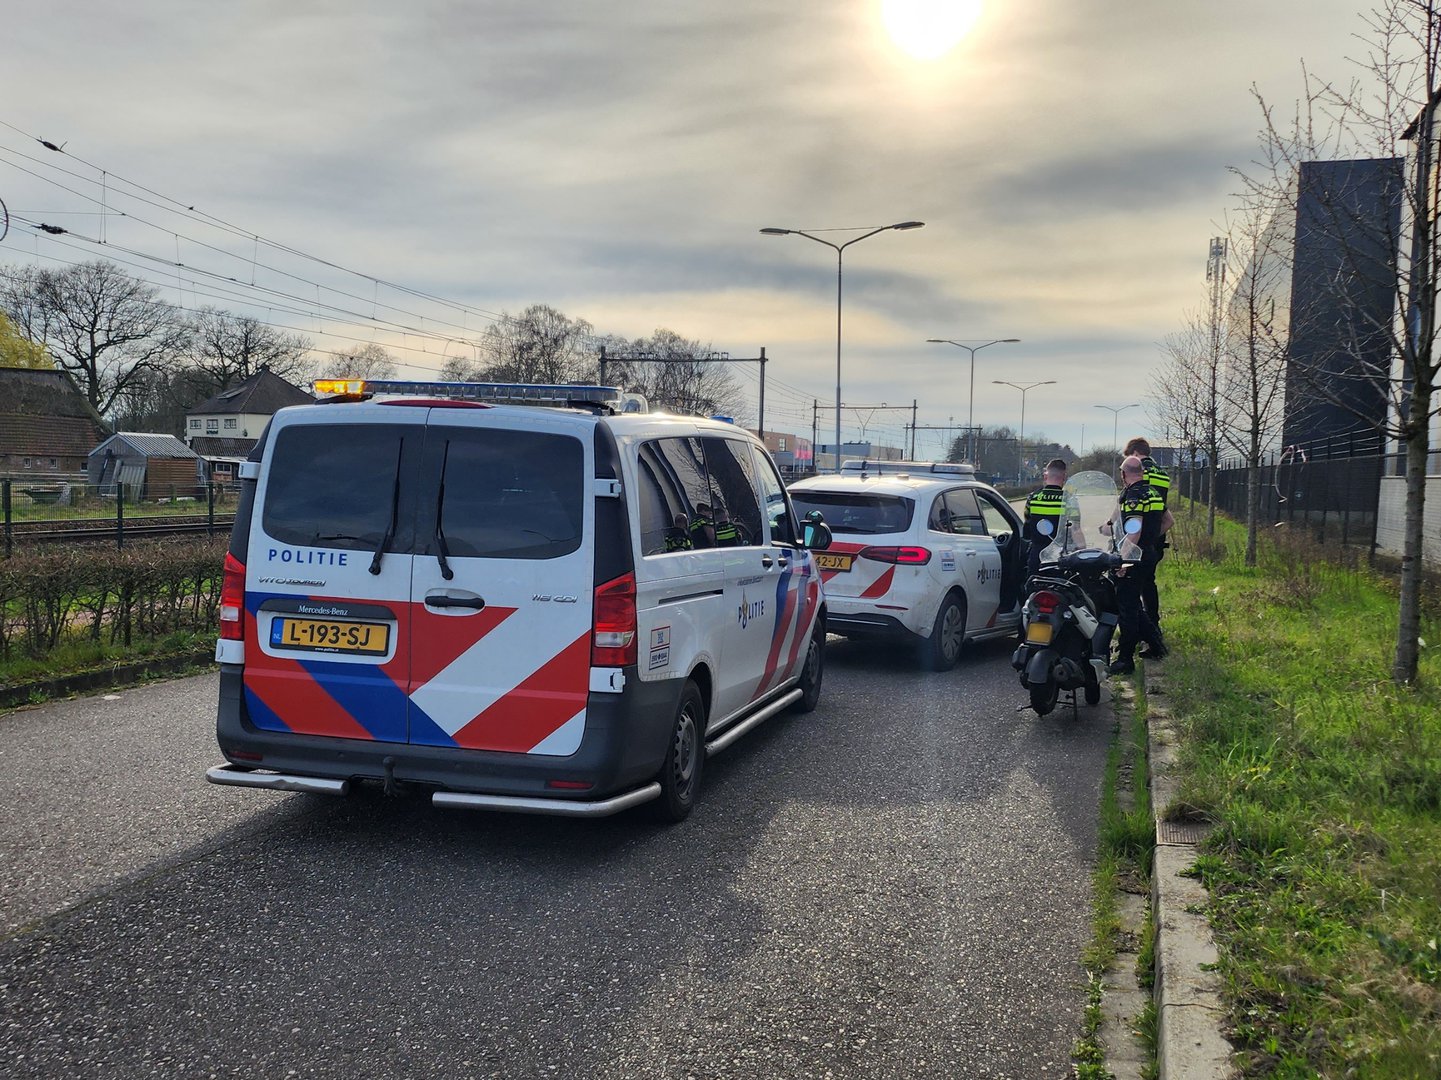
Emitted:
<point x="677" y="374"/>
<point x="1391" y="350"/>
<point x="1254" y="376"/>
<point x="100" y="324"/>
<point x="231" y="348"/>
<point x="540" y="345"/>
<point x="359" y="362"/>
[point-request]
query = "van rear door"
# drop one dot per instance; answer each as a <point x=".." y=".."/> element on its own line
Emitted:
<point x="501" y="623"/>
<point x="328" y="574"/>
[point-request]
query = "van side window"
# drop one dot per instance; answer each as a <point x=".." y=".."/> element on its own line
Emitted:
<point x="736" y="502"/>
<point x="508" y="494"/>
<point x="332" y="485"/>
<point x="778" y="509"/>
<point x="684" y="460"/>
<point x="664" y="523"/>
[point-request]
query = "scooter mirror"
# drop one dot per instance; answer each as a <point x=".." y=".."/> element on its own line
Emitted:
<point x="1133" y="526"/>
<point x="1045" y="527"/>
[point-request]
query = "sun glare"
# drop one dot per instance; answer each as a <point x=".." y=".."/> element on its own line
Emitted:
<point x="928" y="29"/>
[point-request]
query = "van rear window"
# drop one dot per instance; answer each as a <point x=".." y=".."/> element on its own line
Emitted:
<point x="333" y="485"/>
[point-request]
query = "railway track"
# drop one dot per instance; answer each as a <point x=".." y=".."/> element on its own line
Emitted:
<point x="99" y="530"/>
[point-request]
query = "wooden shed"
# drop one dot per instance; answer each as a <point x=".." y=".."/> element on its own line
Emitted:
<point x="146" y="466"/>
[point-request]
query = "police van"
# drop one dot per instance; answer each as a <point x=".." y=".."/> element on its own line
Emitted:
<point x="513" y="597"/>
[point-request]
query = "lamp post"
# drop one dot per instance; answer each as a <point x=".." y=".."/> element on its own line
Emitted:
<point x="1116" y="411"/>
<point x="972" y="349"/>
<point x="1021" y="439"/>
<point x="839" y="249"/>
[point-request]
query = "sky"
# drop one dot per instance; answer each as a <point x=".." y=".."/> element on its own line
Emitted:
<point x="349" y="168"/>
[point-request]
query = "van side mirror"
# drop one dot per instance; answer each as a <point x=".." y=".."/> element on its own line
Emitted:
<point x="816" y="533"/>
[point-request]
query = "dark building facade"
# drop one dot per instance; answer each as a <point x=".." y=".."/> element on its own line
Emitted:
<point x="1342" y="297"/>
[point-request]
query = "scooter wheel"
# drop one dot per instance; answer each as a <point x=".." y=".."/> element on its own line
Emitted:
<point x="1043" y="697"/>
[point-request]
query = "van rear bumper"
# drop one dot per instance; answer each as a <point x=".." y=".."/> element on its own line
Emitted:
<point x="620" y="754"/>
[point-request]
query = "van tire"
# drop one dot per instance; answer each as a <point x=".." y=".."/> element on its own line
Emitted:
<point x="684" y="758"/>
<point x="813" y="670"/>
<point x="943" y="648"/>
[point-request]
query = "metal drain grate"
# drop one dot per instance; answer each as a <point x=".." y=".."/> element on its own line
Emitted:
<point x="1181" y="832"/>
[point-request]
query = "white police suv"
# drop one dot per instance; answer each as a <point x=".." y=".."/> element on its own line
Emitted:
<point x="923" y="552"/>
<point x="550" y="609"/>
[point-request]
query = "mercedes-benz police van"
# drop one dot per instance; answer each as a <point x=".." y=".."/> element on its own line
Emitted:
<point x="550" y="609"/>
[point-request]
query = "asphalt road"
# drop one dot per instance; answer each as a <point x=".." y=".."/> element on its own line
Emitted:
<point x="894" y="886"/>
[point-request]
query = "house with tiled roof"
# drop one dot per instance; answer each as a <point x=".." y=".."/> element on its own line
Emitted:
<point x="47" y="427"/>
<point x="224" y="428"/>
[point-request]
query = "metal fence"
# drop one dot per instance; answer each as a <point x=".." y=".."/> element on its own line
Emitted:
<point x="1331" y="487"/>
<point x="34" y="512"/>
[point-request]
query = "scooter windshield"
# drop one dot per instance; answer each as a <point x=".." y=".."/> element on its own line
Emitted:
<point x="1090" y="500"/>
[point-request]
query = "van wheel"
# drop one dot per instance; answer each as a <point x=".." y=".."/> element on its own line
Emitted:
<point x="684" y="757"/>
<point x="812" y="673"/>
<point x="942" y="649"/>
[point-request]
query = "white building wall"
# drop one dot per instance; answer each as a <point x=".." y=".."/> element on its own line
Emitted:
<point x="1391" y="519"/>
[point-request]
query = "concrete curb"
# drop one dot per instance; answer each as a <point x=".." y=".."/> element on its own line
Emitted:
<point x="1189" y="1009"/>
<point x="119" y="675"/>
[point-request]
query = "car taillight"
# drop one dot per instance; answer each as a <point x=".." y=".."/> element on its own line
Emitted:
<point x="1045" y="602"/>
<point x="903" y="556"/>
<point x="613" y="644"/>
<point x="232" y="600"/>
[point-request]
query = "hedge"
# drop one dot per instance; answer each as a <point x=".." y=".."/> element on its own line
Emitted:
<point x="55" y="596"/>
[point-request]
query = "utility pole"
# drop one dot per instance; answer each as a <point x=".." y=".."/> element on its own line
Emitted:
<point x="1216" y="275"/>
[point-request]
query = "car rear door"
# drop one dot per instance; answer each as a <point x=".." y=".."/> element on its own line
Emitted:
<point x="978" y="563"/>
<point x="501" y="630"/>
<point x="328" y="574"/>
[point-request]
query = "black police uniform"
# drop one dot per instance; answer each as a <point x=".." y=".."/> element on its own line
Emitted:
<point x="1139" y="500"/>
<point x="1160" y="482"/>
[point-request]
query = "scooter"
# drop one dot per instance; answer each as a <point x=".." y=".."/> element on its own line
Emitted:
<point x="1069" y="619"/>
<point x="1070" y="614"/>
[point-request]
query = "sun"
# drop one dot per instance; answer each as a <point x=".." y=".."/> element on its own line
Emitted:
<point x="928" y="29"/>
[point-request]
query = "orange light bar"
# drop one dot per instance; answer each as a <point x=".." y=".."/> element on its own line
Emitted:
<point x="333" y="387"/>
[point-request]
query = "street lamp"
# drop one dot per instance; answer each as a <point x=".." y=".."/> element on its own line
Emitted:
<point x="838" y="249"/>
<point x="972" y="349"/>
<point x="1116" y="412"/>
<point x="1021" y="438"/>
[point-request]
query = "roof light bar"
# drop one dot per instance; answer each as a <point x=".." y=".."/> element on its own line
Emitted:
<point x="883" y="468"/>
<point x="489" y="392"/>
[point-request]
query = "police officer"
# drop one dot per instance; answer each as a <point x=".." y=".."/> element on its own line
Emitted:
<point x="1141" y="522"/>
<point x="677" y="537"/>
<point x="1160" y="481"/>
<point x="702" y="529"/>
<point x="1054" y="507"/>
<point x="726" y="532"/>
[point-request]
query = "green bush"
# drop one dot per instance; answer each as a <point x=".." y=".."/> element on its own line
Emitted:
<point x="55" y="597"/>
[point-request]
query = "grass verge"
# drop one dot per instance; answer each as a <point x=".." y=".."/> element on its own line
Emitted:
<point x="1324" y="781"/>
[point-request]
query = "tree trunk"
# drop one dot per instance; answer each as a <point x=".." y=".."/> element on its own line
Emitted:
<point x="1253" y="505"/>
<point x="1418" y="449"/>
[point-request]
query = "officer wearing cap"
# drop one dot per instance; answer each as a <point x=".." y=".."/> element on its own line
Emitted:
<point x="1160" y="482"/>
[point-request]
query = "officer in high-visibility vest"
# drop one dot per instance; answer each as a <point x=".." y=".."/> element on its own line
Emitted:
<point x="1047" y="513"/>
<point x="1159" y="481"/>
<point x="1140" y="522"/>
<point x="702" y="529"/>
<point x="677" y="537"/>
<point x="726" y="532"/>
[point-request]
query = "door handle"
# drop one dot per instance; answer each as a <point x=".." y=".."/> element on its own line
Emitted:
<point x="767" y="562"/>
<point x="474" y="603"/>
<point x="782" y="561"/>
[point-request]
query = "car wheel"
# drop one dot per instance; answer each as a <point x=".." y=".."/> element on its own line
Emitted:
<point x="684" y="757"/>
<point x="812" y="672"/>
<point x="942" y="649"/>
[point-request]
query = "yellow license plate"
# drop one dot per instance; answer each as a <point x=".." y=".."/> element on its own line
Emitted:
<point x="1039" y="633"/>
<point x="826" y="561"/>
<point x="330" y="635"/>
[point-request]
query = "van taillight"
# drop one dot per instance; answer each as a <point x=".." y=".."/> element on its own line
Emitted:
<point x="232" y="600"/>
<point x="1045" y="602"/>
<point x="903" y="556"/>
<point x="613" y="644"/>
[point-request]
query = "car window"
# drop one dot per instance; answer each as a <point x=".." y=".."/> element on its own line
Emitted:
<point x="777" y="508"/>
<point x="683" y="460"/>
<point x="955" y="512"/>
<point x="664" y="522"/>
<point x="511" y="494"/>
<point x="997" y="523"/>
<point x="734" y="499"/>
<point x="857" y="513"/>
